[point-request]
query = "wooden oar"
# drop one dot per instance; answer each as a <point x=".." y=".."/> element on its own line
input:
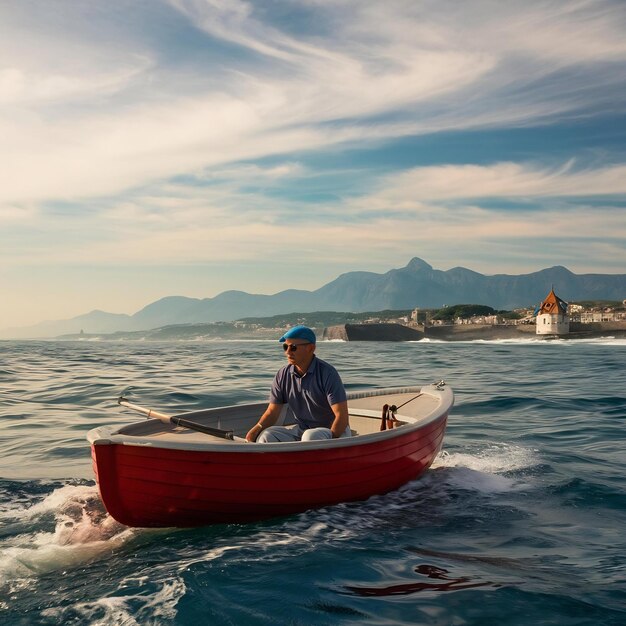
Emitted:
<point x="181" y="421"/>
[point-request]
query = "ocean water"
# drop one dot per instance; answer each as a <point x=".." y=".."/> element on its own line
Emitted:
<point x="521" y="520"/>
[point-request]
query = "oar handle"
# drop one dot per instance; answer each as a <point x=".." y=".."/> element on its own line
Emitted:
<point x="181" y="421"/>
<point x="207" y="430"/>
<point x="149" y="412"/>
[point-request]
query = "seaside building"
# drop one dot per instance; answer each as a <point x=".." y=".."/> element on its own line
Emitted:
<point x="552" y="317"/>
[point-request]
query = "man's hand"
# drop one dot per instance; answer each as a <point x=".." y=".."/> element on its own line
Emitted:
<point x="269" y="418"/>
<point x="254" y="432"/>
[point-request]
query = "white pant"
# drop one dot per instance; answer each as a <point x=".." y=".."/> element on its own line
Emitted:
<point x="275" y="434"/>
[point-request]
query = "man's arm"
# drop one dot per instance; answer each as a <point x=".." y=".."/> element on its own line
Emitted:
<point x="340" y="422"/>
<point x="269" y="418"/>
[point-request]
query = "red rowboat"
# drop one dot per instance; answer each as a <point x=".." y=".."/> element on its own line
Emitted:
<point x="152" y="474"/>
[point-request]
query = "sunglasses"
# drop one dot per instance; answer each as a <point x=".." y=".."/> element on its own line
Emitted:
<point x="293" y="346"/>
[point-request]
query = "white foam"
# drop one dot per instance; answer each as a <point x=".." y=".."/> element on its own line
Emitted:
<point x="265" y="545"/>
<point x="605" y="341"/>
<point x="525" y="341"/>
<point x="510" y="341"/>
<point x="52" y="502"/>
<point x="465" y="478"/>
<point x="82" y="532"/>
<point x="482" y="471"/>
<point x="494" y="459"/>
<point x="133" y="609"/>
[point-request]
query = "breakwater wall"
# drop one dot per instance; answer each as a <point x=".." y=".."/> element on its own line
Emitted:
<point x="373" y="332"/>
<point x="464" y="332"/>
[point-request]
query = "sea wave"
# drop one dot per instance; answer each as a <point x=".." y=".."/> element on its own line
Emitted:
<point x="153" y="603"/>
<point x="79" y="531"/>
<point x="521" y="515"/>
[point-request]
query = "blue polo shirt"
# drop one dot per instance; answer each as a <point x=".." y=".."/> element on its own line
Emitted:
<point x="310" y="396"/>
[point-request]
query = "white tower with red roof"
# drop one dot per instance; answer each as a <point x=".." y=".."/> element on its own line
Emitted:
<point x="552" y="317"/>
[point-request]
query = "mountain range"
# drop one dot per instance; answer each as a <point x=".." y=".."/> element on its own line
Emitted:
<point x="416" y="285"/>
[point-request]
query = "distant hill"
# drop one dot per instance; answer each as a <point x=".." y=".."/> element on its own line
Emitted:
<point x="416" y="285"/>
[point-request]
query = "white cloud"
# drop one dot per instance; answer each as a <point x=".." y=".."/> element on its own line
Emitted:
<point x="429" y="209"/>
<point x="501" y="180"/>
<point x="388" y="58"/>
<point x="18" y="88"/>
<point x="252" y="172"/>
<point x="565" y="34"/>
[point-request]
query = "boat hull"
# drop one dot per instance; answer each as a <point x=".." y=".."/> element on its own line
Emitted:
<point x="151" y="486"/>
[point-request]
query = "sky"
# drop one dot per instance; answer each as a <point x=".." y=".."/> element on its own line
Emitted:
<point x="152" y="148"/>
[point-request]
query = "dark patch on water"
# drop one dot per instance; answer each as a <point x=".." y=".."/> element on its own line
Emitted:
<point x="337" y="609"/>
<point x="445" y="583"/>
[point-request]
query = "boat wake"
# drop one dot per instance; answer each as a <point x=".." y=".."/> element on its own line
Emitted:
<point x="68" y="528"/>
<point x="475" y="476"/>
<point x="494" y="469"/>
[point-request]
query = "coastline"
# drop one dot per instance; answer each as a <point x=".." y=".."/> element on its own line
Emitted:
<point x="383" y="331"/>
<point x="466" y="332"/>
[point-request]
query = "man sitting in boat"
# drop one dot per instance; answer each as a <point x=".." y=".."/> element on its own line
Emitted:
<point x="313" y="391"/>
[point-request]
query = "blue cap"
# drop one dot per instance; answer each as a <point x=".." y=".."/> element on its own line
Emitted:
<point x="299" y="332"/>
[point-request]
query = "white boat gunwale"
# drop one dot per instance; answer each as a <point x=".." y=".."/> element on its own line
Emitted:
<point x="110" y="435"/>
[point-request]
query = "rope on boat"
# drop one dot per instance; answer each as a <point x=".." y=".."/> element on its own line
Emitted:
<point x="389" y="420"/>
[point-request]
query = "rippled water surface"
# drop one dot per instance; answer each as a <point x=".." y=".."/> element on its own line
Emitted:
<point x="521" y="520"/>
